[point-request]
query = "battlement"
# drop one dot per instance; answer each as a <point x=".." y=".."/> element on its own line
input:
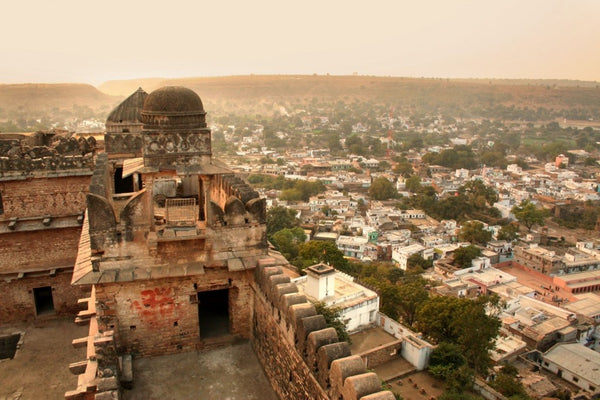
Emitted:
<point x="303" y="358"/>
<point x="45" y="152"/>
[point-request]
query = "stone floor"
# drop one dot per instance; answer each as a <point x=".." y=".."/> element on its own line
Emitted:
<point x="229" y="373"/>
<point x="40" y="368"/>
<point x="369" y="339"/>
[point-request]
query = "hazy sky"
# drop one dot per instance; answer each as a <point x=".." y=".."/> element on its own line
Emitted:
<point x="95" y="41"/>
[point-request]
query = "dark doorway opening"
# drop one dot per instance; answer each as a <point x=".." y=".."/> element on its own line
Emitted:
<point x="8" y="346"/>
<point x="213" y="313"/>
<point x="123" y="185"/>
<point x="43" y="300"/>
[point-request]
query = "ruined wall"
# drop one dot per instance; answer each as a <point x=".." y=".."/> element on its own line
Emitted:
<point x="382" y="354"/>
<point x="160" y="316"/>
<point x="17" y="302"/>
<point x="34" y="197"/>
<point x="302" y="357"/>
<point x="235" y="202"/>
<point x="51" y="248"/>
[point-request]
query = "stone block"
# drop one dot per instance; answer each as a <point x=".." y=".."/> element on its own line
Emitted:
<point x="305" y="327"/>
<point x="325" y="356"/>
<point x="341" y="369"/>
<point x="383" y="395"/>
<point x="358" y="386"/>
<point x="281" y="290"/>
<point x="316" y="340"/>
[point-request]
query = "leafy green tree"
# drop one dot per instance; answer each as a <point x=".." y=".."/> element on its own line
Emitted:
<point x="279" y="218"/>
<point x="382" y="189"/>
<point x="508" y="232"/>
<point x="413" y="184"/>
<point x="316" y="251"/>
<point x="474" y="232"/>
<point x="478" y="194"/>
<point x="403" y="168"/>
<point x="288" y="241"/>
<point x="333" y="318"/>
<point x="464" y="255"/>
<point x="384" y="165"/>
<point x="411" y="296"/>
<point x="463" y="322"/>
<point x="445" y="359"/>
<point x="417" y="264"/>
<point x="509" y="386"/>
<point x="528" y="214"/>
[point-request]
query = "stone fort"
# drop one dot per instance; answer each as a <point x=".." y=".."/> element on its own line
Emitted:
<point x="165" y="246"/>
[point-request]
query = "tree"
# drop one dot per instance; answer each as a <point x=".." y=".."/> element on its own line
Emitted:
<point x="288" y="241"/>
<point x="382" y="189"/>
<point x="316" y="251"/>
<point x="474" y="232"/>
<point x="528" y="214"/>
<point x="509" y="386"/>
<point x="413" y="184"/>
<point x="411" y="296"/>
<point x="445" y="359"/>
<point x="403" y="168"/>
<point x="463" y="322"/>
<point x="508" y="232"/>
<point x="279" y="218"/>
<point x="417" y="264"/>
<point x="464" y="255"/>
<point x="333" y="319"/>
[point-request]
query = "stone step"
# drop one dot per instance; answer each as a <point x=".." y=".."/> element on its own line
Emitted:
<point x="78" y="368"/>
<point x="80" y="342"/>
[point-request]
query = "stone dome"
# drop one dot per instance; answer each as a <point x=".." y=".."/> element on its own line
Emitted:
<point x="173" y="106"/>
<point x="173" y="99"/>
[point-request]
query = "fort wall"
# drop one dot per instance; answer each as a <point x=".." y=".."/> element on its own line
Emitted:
<point x="17" y="301"/>
<point x="42" y="249"/>
<point x="302" y="357"/>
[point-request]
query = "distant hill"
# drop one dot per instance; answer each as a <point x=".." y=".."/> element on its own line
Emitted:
<point x="32" y="98"/>
<point x="412" y="92"/>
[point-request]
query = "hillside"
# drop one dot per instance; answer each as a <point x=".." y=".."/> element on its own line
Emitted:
<point x="30" y="98"/>
<point x="402" y="92"/>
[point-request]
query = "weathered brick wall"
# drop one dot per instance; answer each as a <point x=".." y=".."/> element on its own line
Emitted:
<point x="36" y="197"/>
<point x="22" y="251"/>
<point x="17" y="302"/>
<point x="302" y="357"/>
<point x="160" y="316"/>
<point x="289" y="375"/>
<point x="382" y="354"/>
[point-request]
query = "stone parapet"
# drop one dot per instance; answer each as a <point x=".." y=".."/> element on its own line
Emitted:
<point x="303" y="358"/>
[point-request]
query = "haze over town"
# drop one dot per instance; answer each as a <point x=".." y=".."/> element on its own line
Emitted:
<point x="71" y="41"/>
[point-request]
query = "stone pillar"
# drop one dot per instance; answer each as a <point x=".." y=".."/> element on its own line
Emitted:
<point x="206" y="181"/>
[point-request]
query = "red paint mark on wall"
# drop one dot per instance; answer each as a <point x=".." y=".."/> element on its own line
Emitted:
<point x="155" y="303"/>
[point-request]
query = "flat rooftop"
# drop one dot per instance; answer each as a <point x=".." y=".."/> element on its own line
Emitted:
<point x="232" y="373"/>
<point x="41" y="365"/>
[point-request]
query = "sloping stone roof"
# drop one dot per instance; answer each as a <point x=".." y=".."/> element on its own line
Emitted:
<point x="129" y="110"/>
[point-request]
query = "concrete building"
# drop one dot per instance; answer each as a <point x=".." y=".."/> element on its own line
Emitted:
<point x="574" y="363"/>
<point x="401" y="255"/>
<point x="537" y="258"/>
<point x="358" y="305"/>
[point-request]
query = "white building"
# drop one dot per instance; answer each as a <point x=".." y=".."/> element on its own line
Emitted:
<point x="401" y="255"/>
<point x="574" y="363"/>
<point x="359" y="306"/>
<point x="352" y="246"/>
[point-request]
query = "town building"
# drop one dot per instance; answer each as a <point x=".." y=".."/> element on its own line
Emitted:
<point x="358" y="305"/>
